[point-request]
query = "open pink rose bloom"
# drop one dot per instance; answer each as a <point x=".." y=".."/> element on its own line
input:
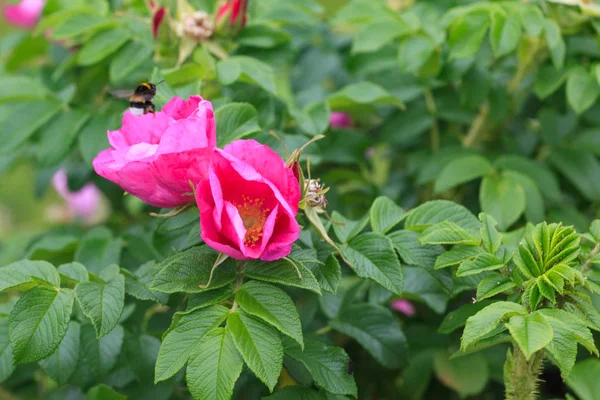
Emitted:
<point x="249" y="202"/>
<point x="156" y="156"/>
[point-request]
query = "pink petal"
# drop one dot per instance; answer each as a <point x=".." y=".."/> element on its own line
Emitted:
<point x="340" y="120"/>
<point x="24" y="14"/>
<point x="403" y="306"/>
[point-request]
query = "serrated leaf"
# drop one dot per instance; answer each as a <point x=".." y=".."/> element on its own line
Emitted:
<point x="184" y="272"/>
<point x="457" y="318"/>
<point x="372" y="256"/>
<point x="38" y="322"/>
<point x="6" y="354"/>
<point x="583" y="379"/>
<point x="579" y="331"/>
<point x="411" y="251"/>
<point x="436" y="211"/>
<point x="447" y="232"/>
<point x="503" y="199"/>
<point x="61" y="364"/>
<point x="102" y="302"/>
<point x="235" y="121"/>
<point x="531" y="332"/>
<point x="377" y="330"/>
<point x="492" y="239"/>
<point x="346" y="229"/>
<point x="141" y="353"/>
<point x="74" y="271"/>
<point x="328" y="274"/>
<point x="183" y="337"/>
<point x="328" y="365"/>
<point x="26" y="271"/>
<point x="272" y="305"/>
<point x="259" y="344"/>
<point x="385" y="214"/>
<point x="100" y="355"/>
<point x="493" y="285"/>
<point x="481" y="263"/>
<point x="137" y="284"/>
<point x="456" y="255"/>
<point x="99" y="249"/>
<point x="214" y="366"/>
<point x="208" y="298"/>
<point x="461" y="170"/>
<point x="284" y="271"/>
<point x="486" y="320"/>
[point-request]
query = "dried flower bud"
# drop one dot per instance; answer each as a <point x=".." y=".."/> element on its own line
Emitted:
<point x="198" y="26"/>
<point x="315" y="193"/>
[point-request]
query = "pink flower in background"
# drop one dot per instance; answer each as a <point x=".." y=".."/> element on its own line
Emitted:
<point x="403" y="306"/>
<point x="156" y="156"/>
<point x="249" y="202"/>
<point x="340" y="120"/>
<point x="24" y="14"/>
<point x="84" y="203"/>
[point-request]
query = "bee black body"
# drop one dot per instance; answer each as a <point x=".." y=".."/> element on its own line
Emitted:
<point x="140" y="101"/>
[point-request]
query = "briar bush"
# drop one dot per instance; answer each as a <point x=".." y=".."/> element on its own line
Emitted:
<point x="334" y="199"/>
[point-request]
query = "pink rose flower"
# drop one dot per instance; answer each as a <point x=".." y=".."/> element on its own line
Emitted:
<point x="340" y="120"/>
<point x="85" y="203"/>
<point x="156" y="156"/>
<point x="403" y="306"/>
<point x="249" y="202"/>
<point x="25" y="14"/>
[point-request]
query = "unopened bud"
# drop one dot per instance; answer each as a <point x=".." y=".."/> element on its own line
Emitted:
<point x="198" y="26"/>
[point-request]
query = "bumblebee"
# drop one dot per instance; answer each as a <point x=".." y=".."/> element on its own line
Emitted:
<point x="140" y="102"/>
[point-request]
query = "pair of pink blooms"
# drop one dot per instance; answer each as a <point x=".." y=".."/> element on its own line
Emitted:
<point x="24" y="14"/>
<point x="247" y="196"/>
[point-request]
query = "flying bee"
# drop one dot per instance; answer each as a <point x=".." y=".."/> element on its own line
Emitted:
<point x="140" y="101"/>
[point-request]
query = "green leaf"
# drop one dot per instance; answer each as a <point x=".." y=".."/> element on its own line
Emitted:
<point x="19" y="88"/>
<point x="100" y="355"/>
<point x="385" y="214"/>
<point x="99" y="249"/>
<point x="102" y="302"/>
<point x="235" y="121"/>
<point x="467" y="34"/>
<point x="137" y="284"/>
<point x="377" y="34"/>
<point x="457" y="318"/>
<point x="467" y="375"/>
<point x="422" y="285"/>
<point x="531" y="332"/>
<point x="26" y="118"/>
<point x="533" y="20"/>
<point x="184" y="272"/>
<point x="104" y="392"/>
<point x="141" y="353"/>
<point x="372" y="256"/>
<point x="38" y="322"/>
<point x="298" y="393"/>
<point x="540" y="174"/>
<point x="328" y="274"/>
<point x="534" y="209"/>
<point x="503" y="199"/>
<point x="26" y="271"/>
<point x="314" y="118"/>
<point x="6" y="355"/>
<point x="102" y="45"/>
<point x="358" y="95"/>
<point x="481" y="263"/>
<point x="492" y="239"/>
<point x="486" y="320"/>
<point x="505" y="34"/>
<point x="548" y="80"/>
<point x="377" y="330"/>
<point x="577" y="327"/>
<point x="80" y="24"/>
<point x="248" y="70"/>
<point x="259" y="344"/>
<point x="273" y="306"/>
<point x="214" y="366"/>
<point x="58" y="136"/>
<point x="92" y="138"/>
<point x="74" y="271"/>
<point x="412" y="252"/>
<point x="129" y="58"/>
<point x="461" y="170"/>
<point x="447" y="232"/>
<point x="414" y="52"/>
<point x="582" y="89"/>
<point x="61" y="364"/>
<point x="347" y="229"/>
<point x="284" y="271"/>
<point x="584" y="379"/>
<point x="555" y="43"/>
<point x="456" y="255"/>
<point x="580" y="168"/>
<point x="328" y="365"/>
<point x="433" y="212"/>
<point x="493" y="285"/>
<point x="563" y="346"/>
<point x="186" y="333"/>
<point x="262" y="36"/>
<point x="208" y="298"/>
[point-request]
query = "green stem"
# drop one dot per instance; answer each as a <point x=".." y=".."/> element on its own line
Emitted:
<point x="238" y="284"/>
<point x="477" y="126"/>
<point x="588" y="263"/>
<point x="522" y="376"/>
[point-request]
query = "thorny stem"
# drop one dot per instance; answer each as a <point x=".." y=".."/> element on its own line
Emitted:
<point x="521" y="377"/>
<point x="435" y="129"/>
<point x="238" y="284"/>
<point x="477" y="126"/>
<point x="588" y="263"/>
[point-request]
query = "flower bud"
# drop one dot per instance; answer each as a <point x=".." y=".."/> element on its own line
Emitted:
<point x="231" y="17"/>
<point x="315" y="193"/>
<point x="197" y="26"/>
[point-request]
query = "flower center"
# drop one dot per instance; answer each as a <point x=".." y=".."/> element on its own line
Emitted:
<point x="253" y="216"/>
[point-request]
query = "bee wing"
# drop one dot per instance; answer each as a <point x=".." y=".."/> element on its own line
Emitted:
<point x="121" y="93"/>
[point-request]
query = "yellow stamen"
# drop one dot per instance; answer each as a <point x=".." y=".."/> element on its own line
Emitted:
<point x="254" y="217"/>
